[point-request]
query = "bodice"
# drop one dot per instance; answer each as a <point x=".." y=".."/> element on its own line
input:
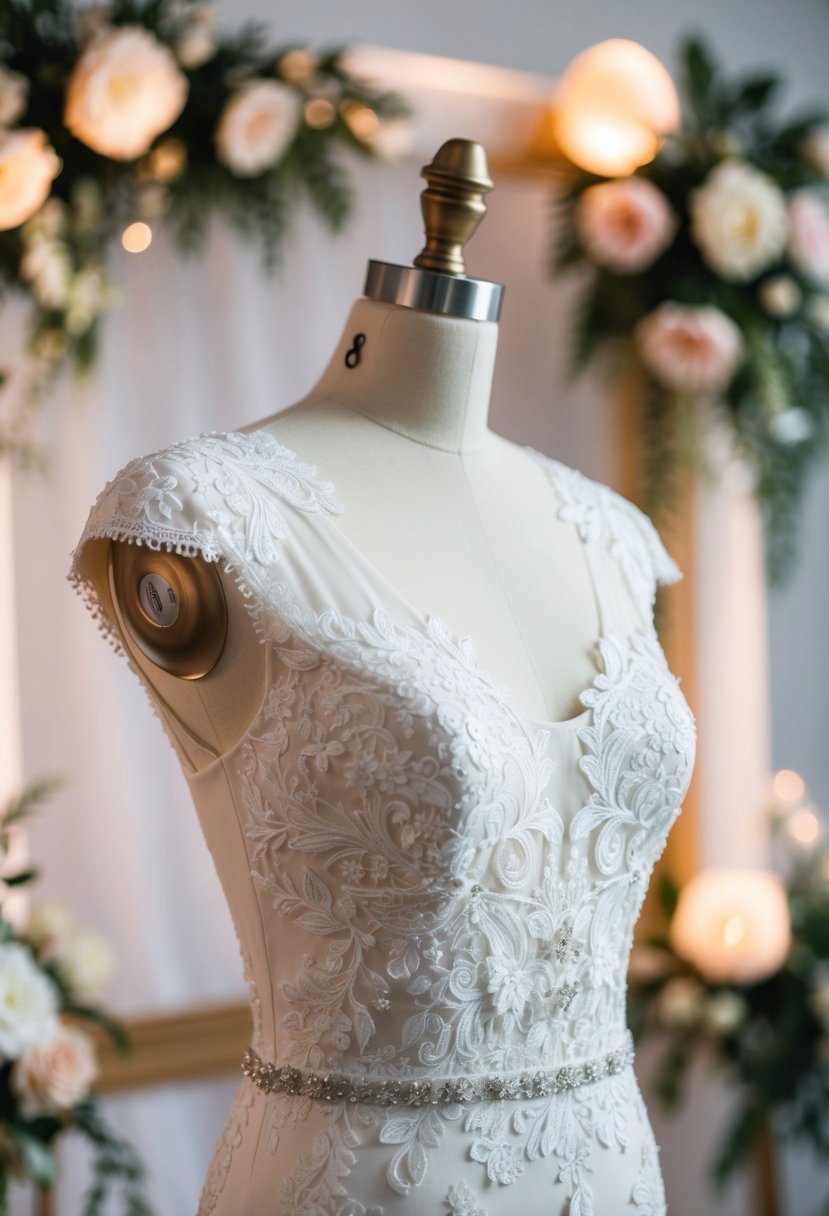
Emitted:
<point x="426" y="883"/>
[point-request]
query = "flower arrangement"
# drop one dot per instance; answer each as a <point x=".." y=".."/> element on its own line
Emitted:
<point x="740" y="981"/>
<point x="710" y="270"/>
<point x="52" y="971"/>
<point x="118" y="115"/>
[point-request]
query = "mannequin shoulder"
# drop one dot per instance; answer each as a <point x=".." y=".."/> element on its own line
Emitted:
<point x="603" y="515"/>
<point x="178" y="497"/>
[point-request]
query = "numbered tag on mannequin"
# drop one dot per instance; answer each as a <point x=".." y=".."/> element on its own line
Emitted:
<point x="158" y="600"/>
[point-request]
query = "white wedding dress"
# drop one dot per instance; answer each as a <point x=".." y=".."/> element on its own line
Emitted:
<point x="434" y="894"/>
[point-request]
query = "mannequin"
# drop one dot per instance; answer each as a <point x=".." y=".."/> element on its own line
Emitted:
<point x="434" y="859"/>
<point x="457" y="520"/>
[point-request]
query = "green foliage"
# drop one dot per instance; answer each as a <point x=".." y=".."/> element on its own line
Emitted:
<point x="776" y="406"/>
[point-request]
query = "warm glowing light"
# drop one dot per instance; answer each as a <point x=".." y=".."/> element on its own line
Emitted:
<point x="137" y="237"/>
<point x="789" y="787"/>
<point x="319" y="113"/>
<point x="613" y="107"/>
<point x="733" y="925"/>
<point x="297" y="66"/>
<point x="362" y="121"/>
<point x="803" y="826"/>
<point x="168" y="160"/>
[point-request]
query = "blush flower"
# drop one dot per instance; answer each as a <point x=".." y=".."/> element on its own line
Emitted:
<point x="256" y="127"/>
<point x="28" y="166"/>
<point x="125" y="89"/>
<point x="693" y="350"/>
<point x="809" y="235"/>
<point x="738" y="220"/>
<point x="626" y="224"/>
<point x="55" y="1075"/>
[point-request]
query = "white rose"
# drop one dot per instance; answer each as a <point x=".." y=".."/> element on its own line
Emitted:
<point x="738" y="220"/>
<point x="47" y="266"/>
<point x="54" y="1076"/>
<point x="256" y="126"/>
<point x="809" y="235"/>
<point x="28" y="1001"/>
<point x="693" y="350"/>
<point x="625" y="224"/>
<point x="28" y="166"/>
<point x="680" y="1003"/>
<point x="780" y="296"/>
<point x="86" y="964"/>
<point x="14" y="95"/>
<point x="125" y="89"/>
<point x="724" y="1012"/>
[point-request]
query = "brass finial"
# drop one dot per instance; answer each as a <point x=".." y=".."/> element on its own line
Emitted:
<point x="452" y="204"/>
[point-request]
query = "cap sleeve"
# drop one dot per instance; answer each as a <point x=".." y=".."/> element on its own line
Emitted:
<point x="219" y="497"/>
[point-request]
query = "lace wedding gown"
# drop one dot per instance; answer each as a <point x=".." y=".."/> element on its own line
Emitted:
<point x="434" y="894"/>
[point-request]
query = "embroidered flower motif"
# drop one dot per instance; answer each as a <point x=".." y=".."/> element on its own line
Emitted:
<point x="462" y="1202"/>
<point x="510" y="984"/>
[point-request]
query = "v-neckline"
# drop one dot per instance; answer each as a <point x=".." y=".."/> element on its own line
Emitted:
<point x="421" y="620"/>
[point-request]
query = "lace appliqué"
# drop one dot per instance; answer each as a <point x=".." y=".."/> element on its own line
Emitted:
<point x="461" y="1201"/>
<point x="602" y="516"/>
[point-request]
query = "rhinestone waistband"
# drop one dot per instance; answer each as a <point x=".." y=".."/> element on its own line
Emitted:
<point x="435" y="1091"/>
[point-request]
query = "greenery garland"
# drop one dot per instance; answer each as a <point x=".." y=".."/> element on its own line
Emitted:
<point x="136" y="110"/>
<point x="51" y="971"/>
<point x="710" y="272"/>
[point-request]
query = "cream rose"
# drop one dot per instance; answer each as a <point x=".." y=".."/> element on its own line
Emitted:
<point x="87" y="964"/>
<point x="28" y="1001"/>
<point x="14" y="95"/>
<point x="54" y="1076"/>
<point x="692" y="350"/>
<point x="125" y="89"/>
<point x="28" y="166"/>
<point x="625" y="224"/>
<point x="50" y="924"/>
<point x="738" y="220"/>
<point x="256" y="126"/>
<point x="680" y="1003"/>
<point x="809" y="235"/>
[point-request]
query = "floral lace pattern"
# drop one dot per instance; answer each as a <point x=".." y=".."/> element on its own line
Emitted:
<point x="453" y="886"/>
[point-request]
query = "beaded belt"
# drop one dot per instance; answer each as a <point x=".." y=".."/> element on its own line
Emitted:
<point x="435" y="1091"/>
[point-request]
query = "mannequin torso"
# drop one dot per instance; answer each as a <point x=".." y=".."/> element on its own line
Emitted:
<point x="456" y="520"/>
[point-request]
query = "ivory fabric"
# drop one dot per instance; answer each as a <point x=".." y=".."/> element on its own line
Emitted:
<point x="426" y="883"/>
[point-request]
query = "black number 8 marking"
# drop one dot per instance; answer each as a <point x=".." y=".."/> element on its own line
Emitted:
<point x="352" y="355"/>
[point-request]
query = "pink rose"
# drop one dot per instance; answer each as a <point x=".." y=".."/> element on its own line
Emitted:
<point x="57" y="1074"/>
<point x="625" y="224"/>
<point x="693" y="350"/>
<point x="809" y="235"/>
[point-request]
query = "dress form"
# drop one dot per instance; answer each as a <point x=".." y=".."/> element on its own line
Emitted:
<point x="458" y="521"/>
